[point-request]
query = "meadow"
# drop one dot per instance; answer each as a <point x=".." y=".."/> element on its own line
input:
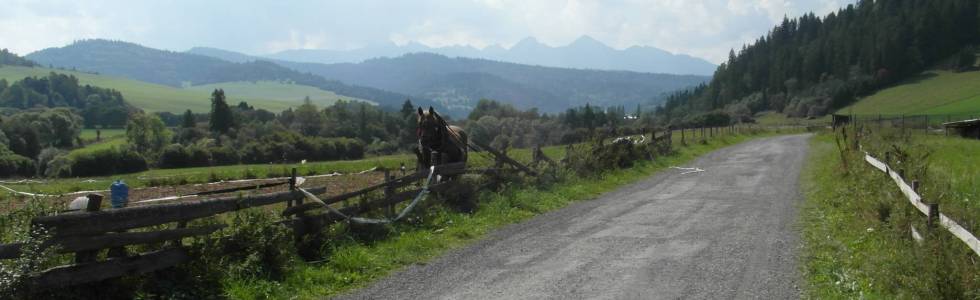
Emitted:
<point x="930" y="93"/>
<point x="272" y="96"/>
<point x="274" y="90"/>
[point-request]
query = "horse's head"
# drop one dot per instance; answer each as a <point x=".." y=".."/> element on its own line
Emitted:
<point x="431" y="128"/>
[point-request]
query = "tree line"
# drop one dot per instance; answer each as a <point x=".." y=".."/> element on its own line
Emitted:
<point x="11" y="59"/>
<point x="99" y="107"/>
<point x="810" y="66"/>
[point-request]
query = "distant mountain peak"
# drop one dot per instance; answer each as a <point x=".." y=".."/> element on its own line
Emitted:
<point x="528" y="42"/>
<point x="585" y="52"/>
<point x="587" y="41"/>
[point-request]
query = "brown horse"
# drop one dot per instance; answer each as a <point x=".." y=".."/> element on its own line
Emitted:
<point x="435" y="135"/>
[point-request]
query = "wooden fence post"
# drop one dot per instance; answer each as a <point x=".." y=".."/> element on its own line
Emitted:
<point x="94" y="204"/>
<point x="388" y="191"/>
<point x="933" y="215"/>
<point x="292" y="187"/>
<point x="682" y="136"/>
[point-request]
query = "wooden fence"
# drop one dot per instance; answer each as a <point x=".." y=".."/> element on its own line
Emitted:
<point x="931" y="210"/>
<point x="85" y="233"/>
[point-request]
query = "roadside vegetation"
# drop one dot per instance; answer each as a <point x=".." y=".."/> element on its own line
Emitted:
<point x="856" y="224"/>
<point x="352" y="261"/>
<point x="256" y="259"/>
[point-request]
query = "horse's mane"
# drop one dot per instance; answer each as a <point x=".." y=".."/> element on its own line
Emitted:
<point x="453" y="135"/>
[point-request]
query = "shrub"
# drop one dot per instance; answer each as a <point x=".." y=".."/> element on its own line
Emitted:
<point x="198" y="157"/>
<point x="253" y="246"/>
<point x="379" y="147"/>
<point x="59" y="167"/>
<point x="16" y="165"/>
<point x="107" y="162"/>
<point x="222" y="156"/>
<point x="173" y="156"/>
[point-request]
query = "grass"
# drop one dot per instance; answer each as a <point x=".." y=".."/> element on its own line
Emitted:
<point x="856" y="224"/>
<point x="160" y="98"/>
<point x="932" y="93"/>
<point x="204" y="174"/>
<point x="353" y="263"/>
<point x="274" y="90"/>
<point x="107" y="143"/>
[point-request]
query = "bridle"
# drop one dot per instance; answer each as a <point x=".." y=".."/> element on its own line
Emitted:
<point x="437" y="138"/>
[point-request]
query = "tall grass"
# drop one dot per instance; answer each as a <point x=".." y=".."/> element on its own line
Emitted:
<point x="856" y="225"/>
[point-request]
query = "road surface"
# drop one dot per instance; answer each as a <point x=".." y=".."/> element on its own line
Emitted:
<point x="726" y="232"/>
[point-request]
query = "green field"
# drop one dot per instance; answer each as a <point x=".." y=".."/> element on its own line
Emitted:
<point x="932" y="93"/>
<point x="160" y="98"/>
<point x="274" y="90"/>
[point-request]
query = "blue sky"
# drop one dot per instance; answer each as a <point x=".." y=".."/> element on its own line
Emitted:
<point x="706" y="29"/>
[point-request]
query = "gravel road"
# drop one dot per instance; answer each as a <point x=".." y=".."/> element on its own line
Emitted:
<point x="726" y="232"/>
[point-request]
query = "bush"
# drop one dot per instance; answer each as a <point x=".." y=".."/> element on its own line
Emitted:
<point x="173" y="156"/>
<point x="253" y="246"/>
<point x="16" y="165"/>
<point x="59" y="167"/>
<point x="379" y="147"/>
<point x="198" y="157"/>
<point x="223" y="156"/>
<point x="107" y="162"/>
<point x="590" y="160"/>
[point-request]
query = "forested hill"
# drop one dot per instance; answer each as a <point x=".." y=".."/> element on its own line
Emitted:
<point x="461" y="82"/>
<point x="178" y="69"/>
<point x="10" y="59"/>
<point x="811" y="65"/>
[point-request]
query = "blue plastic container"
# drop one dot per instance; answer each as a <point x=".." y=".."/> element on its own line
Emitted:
<point x="120" y="194"/>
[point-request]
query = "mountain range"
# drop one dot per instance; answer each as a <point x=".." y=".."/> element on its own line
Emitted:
<point x="453" y="85"/>
<point x="180" y="69"/>
<point x="583" y="53"/>
<point x="459" y="82"/>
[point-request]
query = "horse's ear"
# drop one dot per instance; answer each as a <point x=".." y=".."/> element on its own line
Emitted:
<point x="432" y="111"/>
<point x="420" y="111"/>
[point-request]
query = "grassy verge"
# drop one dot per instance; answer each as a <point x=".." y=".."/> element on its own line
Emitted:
<point x="856" y="223"/>
<point x="353" y="263"/>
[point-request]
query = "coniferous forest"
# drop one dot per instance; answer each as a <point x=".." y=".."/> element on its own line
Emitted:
<point x="810" y="66"/>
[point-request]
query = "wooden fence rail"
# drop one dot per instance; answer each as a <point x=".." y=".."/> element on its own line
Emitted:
<point x="86" y="232"/>
<point x="142" y="216"/>
<point x="929" y="210"/>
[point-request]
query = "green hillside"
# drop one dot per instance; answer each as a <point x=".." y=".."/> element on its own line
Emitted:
<point x="159" y="98"/>
<point x="933" y="92"/>
<point x="274" y="90"/>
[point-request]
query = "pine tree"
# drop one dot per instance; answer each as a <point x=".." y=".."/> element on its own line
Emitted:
<point x="588" y="117"/>
<point x="222" y="119"/>
<point x="408" y="109"/>
<point x="189" y="121"/>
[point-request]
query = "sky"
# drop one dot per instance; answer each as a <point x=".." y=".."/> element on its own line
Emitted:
<point x="706" y="29"/>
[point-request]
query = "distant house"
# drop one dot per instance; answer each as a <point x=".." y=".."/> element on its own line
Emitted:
<point x="965" y="128"/>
